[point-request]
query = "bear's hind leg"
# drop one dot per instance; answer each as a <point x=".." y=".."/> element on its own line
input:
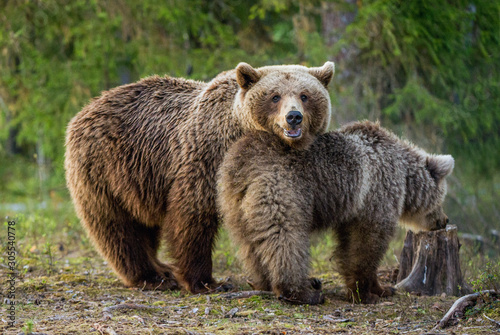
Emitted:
<point x="129" y="246"/>
<point x="190" y="241"/>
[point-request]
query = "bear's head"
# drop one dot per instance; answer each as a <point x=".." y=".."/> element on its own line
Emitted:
<point x="291" y="101"/>
<point x="431" y="192"/>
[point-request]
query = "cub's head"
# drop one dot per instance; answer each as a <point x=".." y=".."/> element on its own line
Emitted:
<point x="436" y="219"/>
<point x="428" y="194"/>
<point x="291" y="101"/>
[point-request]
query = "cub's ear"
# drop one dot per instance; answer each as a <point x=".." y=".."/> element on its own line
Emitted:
<point x="324" y="74"/>
<point x="246" y="75"/>
<point x="440" y="166"/>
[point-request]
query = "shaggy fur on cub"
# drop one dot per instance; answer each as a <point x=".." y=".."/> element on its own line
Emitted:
<point x="141" y="162"/>
<point x="360" y="181"/>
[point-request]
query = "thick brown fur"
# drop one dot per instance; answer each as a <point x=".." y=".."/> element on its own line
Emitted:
<point x="360" y="181"/>
<point x="141" y="164"/>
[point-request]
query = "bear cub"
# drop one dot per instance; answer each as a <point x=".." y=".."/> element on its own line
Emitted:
<point x="359" y="181"/>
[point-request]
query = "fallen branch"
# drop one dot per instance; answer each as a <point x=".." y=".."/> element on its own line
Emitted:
<point x="497" y="323"/>
<point x="243" y="294"/>
<point x="457" y="310"/>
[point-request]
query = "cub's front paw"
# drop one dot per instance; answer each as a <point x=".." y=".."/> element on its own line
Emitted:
<point x="315" y="283"/>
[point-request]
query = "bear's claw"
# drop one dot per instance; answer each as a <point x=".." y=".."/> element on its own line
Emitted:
<point x="315" y="283"/>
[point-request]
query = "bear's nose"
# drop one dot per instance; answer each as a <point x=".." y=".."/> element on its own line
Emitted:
<point x="294" y="118"/>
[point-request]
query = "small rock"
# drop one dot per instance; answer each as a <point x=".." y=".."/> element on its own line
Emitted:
<point x="106" y="316"/>
<point x="232" y="312"/>
<point x="386" y="303"/>
<point x="194" y="310"/>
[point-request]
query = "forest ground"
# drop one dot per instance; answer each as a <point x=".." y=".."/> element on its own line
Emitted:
<point x="64" y="287"/>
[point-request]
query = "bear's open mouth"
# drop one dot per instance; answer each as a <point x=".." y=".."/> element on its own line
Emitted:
<point x="293" y="133"/>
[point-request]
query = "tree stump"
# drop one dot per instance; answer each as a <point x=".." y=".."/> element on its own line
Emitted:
<point x="430" y="265"/>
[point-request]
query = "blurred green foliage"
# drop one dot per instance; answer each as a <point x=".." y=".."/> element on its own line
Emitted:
<point x="428" y="69"/>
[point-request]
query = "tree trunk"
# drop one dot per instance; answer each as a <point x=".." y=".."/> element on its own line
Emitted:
<point x="430" y="263"/>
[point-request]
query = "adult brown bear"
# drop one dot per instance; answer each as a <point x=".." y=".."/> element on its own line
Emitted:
<point x="141" y="161"/>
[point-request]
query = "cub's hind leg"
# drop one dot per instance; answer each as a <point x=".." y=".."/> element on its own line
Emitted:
<point x="360" y="250"/>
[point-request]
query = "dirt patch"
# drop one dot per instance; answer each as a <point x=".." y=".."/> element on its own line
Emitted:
<point x="82" y="296"/>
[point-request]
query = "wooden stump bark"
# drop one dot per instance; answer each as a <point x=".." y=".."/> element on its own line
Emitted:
<point x="430" y="265"/>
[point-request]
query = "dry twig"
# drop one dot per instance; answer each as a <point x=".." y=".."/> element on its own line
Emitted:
<point x="494" y="321"/>
<point x="243" y="294"/>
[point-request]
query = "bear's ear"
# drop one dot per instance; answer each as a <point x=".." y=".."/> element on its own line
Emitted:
<point x="324" y="74"/>
<point x="440" y="166"/>
<point x="246" y="75"/>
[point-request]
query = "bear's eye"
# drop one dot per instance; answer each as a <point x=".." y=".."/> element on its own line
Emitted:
<point x="303" y="97"/>
<point x="276" y="98"/>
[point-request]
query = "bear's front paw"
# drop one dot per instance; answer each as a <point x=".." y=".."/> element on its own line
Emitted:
<point x="315" y="283"/>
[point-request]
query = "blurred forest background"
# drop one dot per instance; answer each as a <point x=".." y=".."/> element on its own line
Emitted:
<point x="427" y="69"/>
